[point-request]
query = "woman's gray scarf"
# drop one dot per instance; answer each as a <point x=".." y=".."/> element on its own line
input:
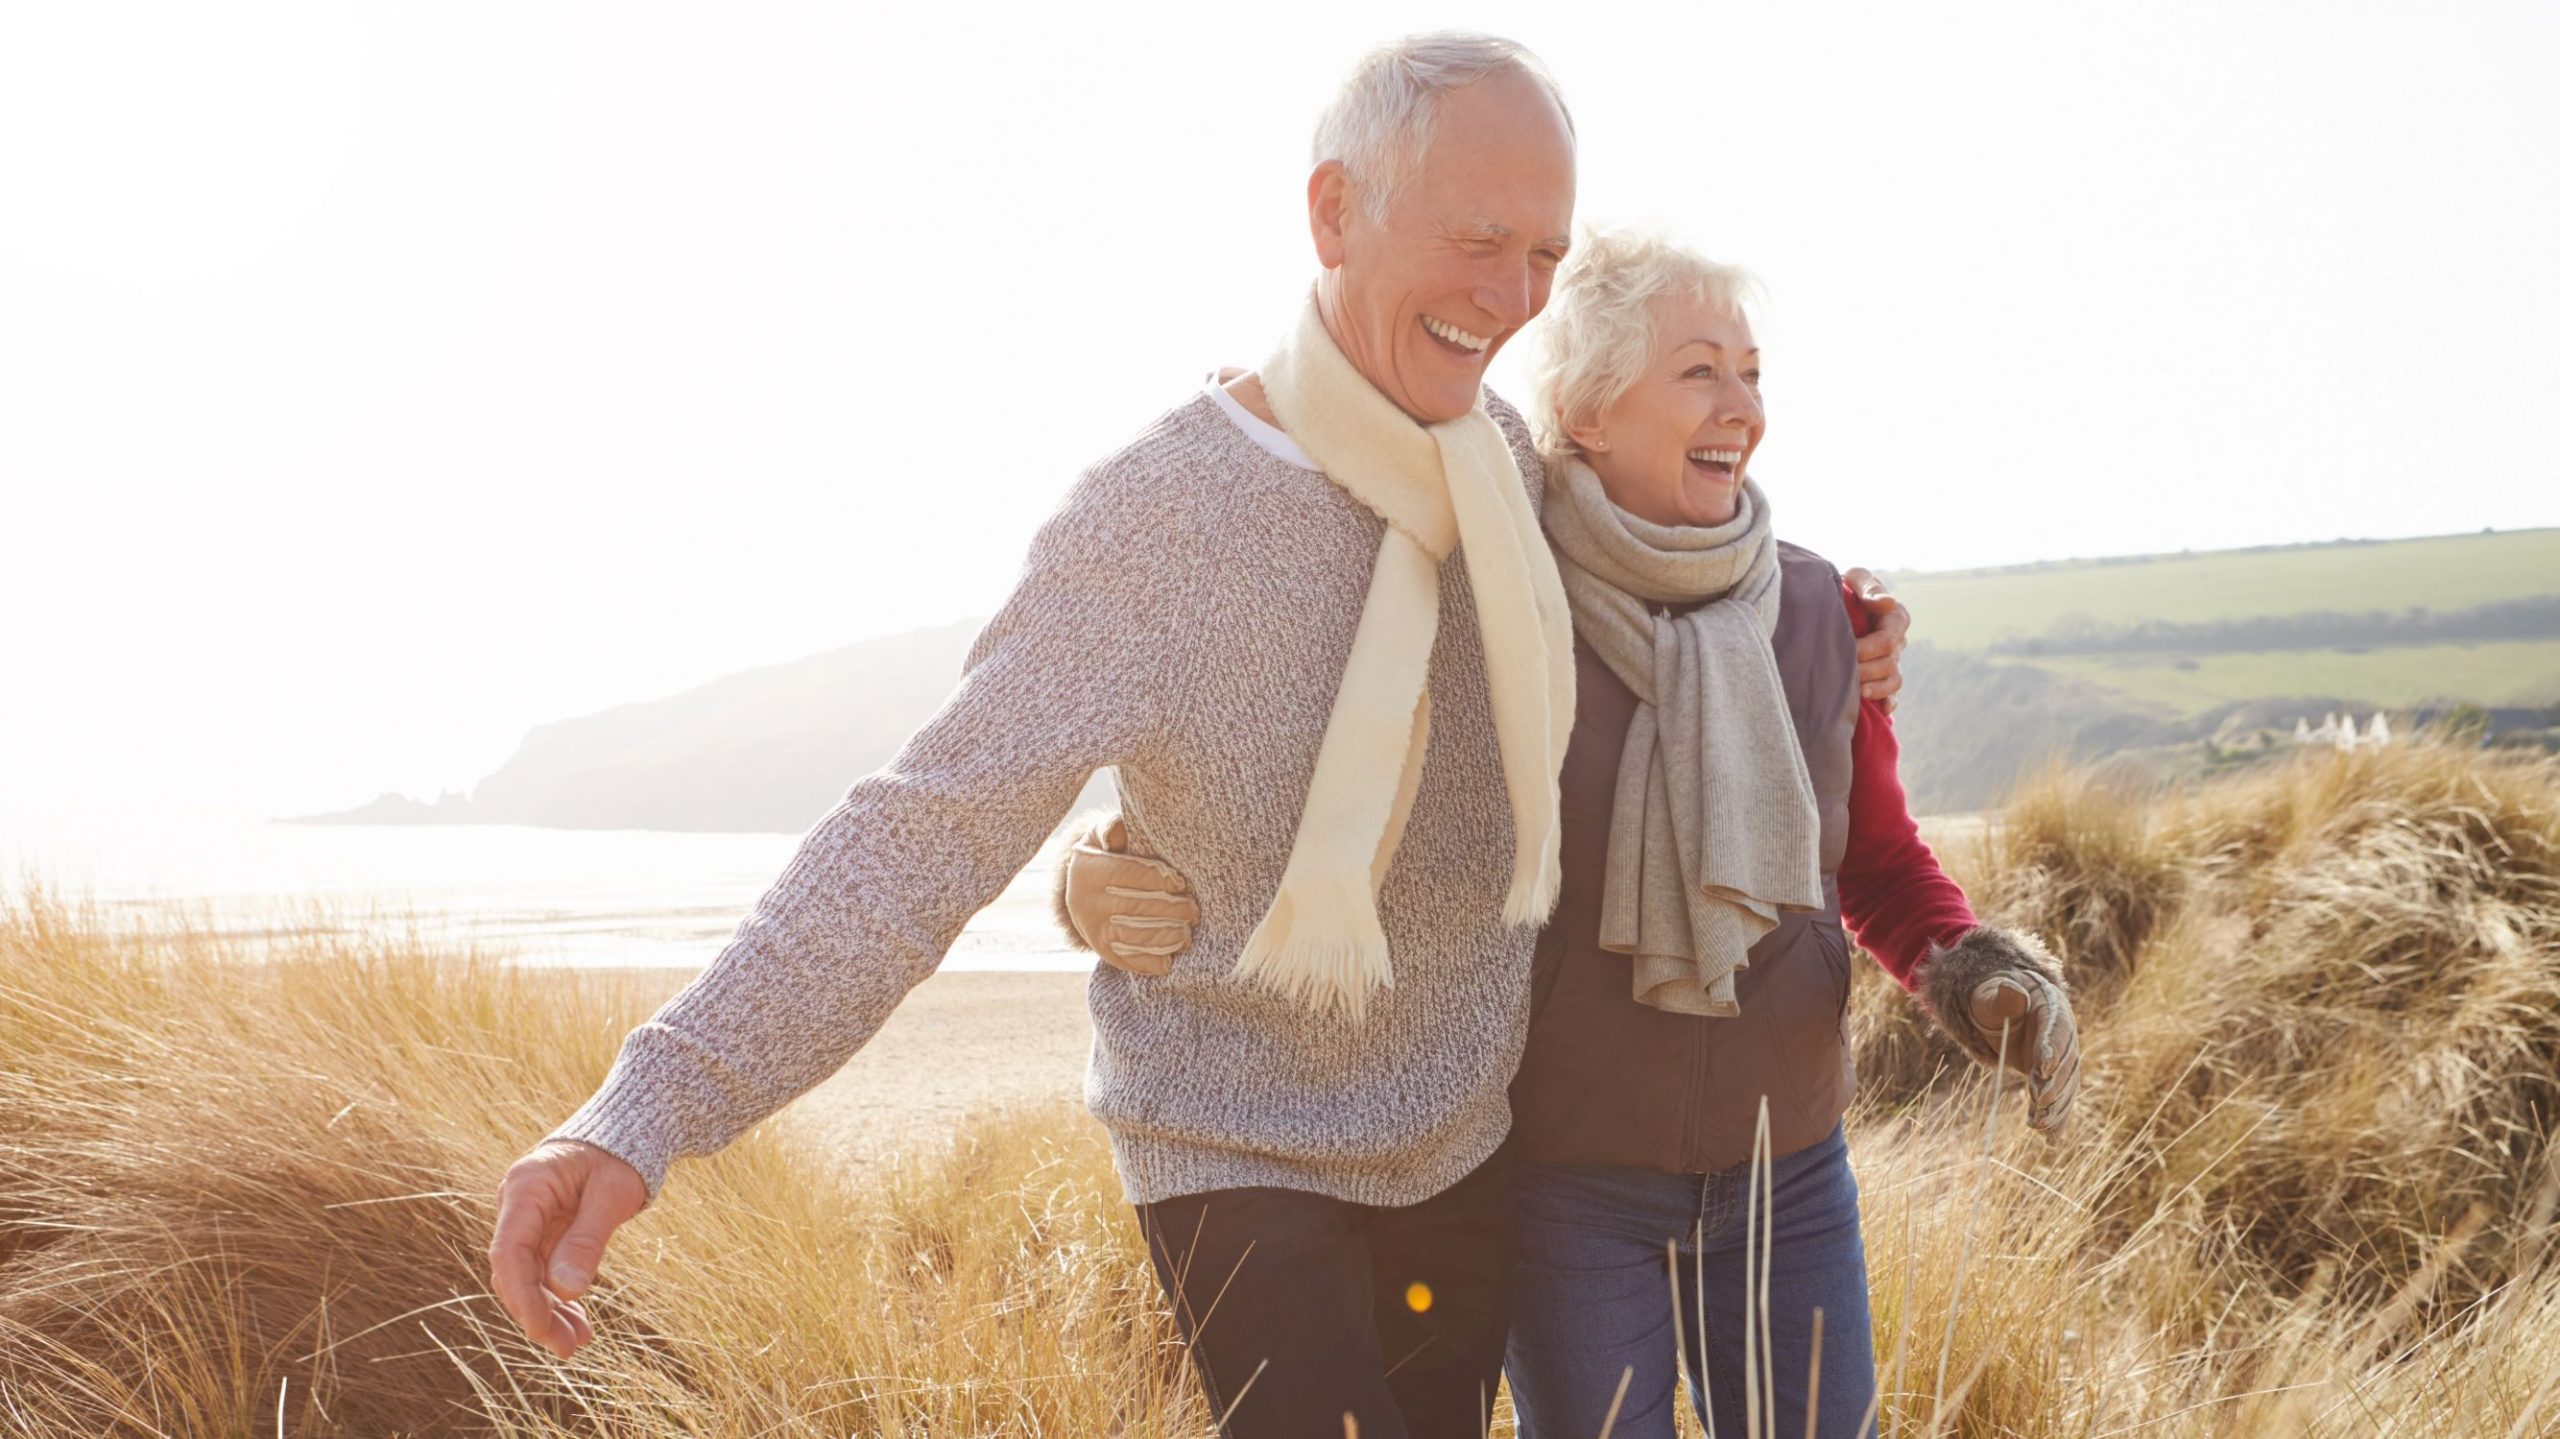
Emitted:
<point x="1714" y="832"/>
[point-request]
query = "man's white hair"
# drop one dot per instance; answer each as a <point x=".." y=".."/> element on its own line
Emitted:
<point x="1598" y="334"/>
<point x="1381" y="123"/>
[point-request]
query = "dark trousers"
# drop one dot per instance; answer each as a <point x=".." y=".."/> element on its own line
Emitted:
<point x="1301" y="1310"/>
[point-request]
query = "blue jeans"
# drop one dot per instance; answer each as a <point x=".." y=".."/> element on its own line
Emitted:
<point x="1594" y="1299"/>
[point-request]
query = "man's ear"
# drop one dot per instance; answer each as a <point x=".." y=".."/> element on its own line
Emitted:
<point x="1329" y="202"/>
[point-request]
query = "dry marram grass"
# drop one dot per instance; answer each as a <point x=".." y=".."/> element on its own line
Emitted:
<point x="2310" y="1191"/>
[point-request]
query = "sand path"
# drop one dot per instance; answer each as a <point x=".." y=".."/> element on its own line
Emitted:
<point x="964" y="1042"/>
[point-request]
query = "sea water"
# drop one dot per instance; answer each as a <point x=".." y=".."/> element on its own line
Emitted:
<point x="540" y="896"/>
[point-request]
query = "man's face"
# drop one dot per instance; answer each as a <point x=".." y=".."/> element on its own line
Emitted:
<point x="1468" y="252"/>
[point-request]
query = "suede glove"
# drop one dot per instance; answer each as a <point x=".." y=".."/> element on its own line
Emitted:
<point x="1992" y="977"/>
<point x="1135" y="912"/>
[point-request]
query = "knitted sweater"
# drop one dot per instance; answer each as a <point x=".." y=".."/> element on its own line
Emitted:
<point x="1184" y="617"/>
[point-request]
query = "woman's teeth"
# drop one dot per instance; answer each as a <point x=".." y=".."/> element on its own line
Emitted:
<point x="1454" y="335"/>
<point x="1730" y="459"/>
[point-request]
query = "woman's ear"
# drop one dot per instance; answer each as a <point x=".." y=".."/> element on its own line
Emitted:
<point x="1586" y="431"/>
<point x="1329" y="204"/>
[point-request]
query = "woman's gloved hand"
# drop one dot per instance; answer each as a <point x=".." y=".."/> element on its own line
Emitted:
<point x="1135" y="912"/>
<point x="1993" y="980"/>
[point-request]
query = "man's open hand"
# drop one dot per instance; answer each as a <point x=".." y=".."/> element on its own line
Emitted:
<point x="556" y="1208"/>
<point x="1880" y="648"/>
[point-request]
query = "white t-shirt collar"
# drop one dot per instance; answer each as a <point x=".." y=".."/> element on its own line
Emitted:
<point x="1268" y="437"/>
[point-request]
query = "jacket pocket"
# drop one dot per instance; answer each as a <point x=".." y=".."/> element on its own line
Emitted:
<point x="1821" y="1053"/>
<point x="1833" y="943"/>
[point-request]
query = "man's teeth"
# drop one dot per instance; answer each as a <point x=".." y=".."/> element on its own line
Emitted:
<point x="1716" y="457"/>
<point x="1454" y="335"/>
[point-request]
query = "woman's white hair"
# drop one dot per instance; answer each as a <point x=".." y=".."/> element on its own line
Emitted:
<point x="1380" y="124"/>
<point x="1598" y="335"/>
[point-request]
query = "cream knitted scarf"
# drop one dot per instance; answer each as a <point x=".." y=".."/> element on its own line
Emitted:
<point x="1438" y="487"/>
<point x="1713" y="832"/>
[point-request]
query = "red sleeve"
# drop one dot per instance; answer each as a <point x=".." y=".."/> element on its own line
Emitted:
<point x="1896" y="899"/>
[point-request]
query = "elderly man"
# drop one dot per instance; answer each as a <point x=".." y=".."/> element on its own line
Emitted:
<point x="1347" y="744"/>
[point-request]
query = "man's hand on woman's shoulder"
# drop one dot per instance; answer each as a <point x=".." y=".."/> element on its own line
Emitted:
<point x="1881" y="641"/>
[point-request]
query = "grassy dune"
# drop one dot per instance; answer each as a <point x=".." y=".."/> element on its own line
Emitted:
<point x="237" y="1198"/>
<point x="2311" y="1191"/>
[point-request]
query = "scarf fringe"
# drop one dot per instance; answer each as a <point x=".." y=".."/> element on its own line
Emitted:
<point x="1320" y="947"/>
<point x="1534" y="892"/>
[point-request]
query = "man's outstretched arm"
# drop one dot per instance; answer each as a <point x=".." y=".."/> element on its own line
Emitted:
<point x="1061" y="683"/>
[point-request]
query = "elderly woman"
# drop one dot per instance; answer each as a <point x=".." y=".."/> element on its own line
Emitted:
<point x="1729" y="803"/>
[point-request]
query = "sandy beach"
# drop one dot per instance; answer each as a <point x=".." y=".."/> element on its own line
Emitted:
<point x="963" y="1043"/>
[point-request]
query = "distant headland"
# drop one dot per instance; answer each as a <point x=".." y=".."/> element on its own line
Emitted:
<point x="2166" y="665"/>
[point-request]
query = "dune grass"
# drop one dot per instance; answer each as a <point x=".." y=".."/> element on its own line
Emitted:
<point x="238" y="1197"/>
<point x="2311" y="1189"/>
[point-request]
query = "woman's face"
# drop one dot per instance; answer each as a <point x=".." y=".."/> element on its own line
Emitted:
<point x="1674" y="448"/>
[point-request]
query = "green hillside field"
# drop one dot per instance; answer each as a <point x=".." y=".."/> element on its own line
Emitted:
<point x="1972" y="611"/>
<point x="2518" y="673"/>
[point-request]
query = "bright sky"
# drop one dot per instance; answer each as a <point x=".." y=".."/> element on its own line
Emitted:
<point x="376" y="382"/>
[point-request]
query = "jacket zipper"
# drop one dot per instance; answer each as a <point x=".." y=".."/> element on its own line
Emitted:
<point x="1693" y="1100"/>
